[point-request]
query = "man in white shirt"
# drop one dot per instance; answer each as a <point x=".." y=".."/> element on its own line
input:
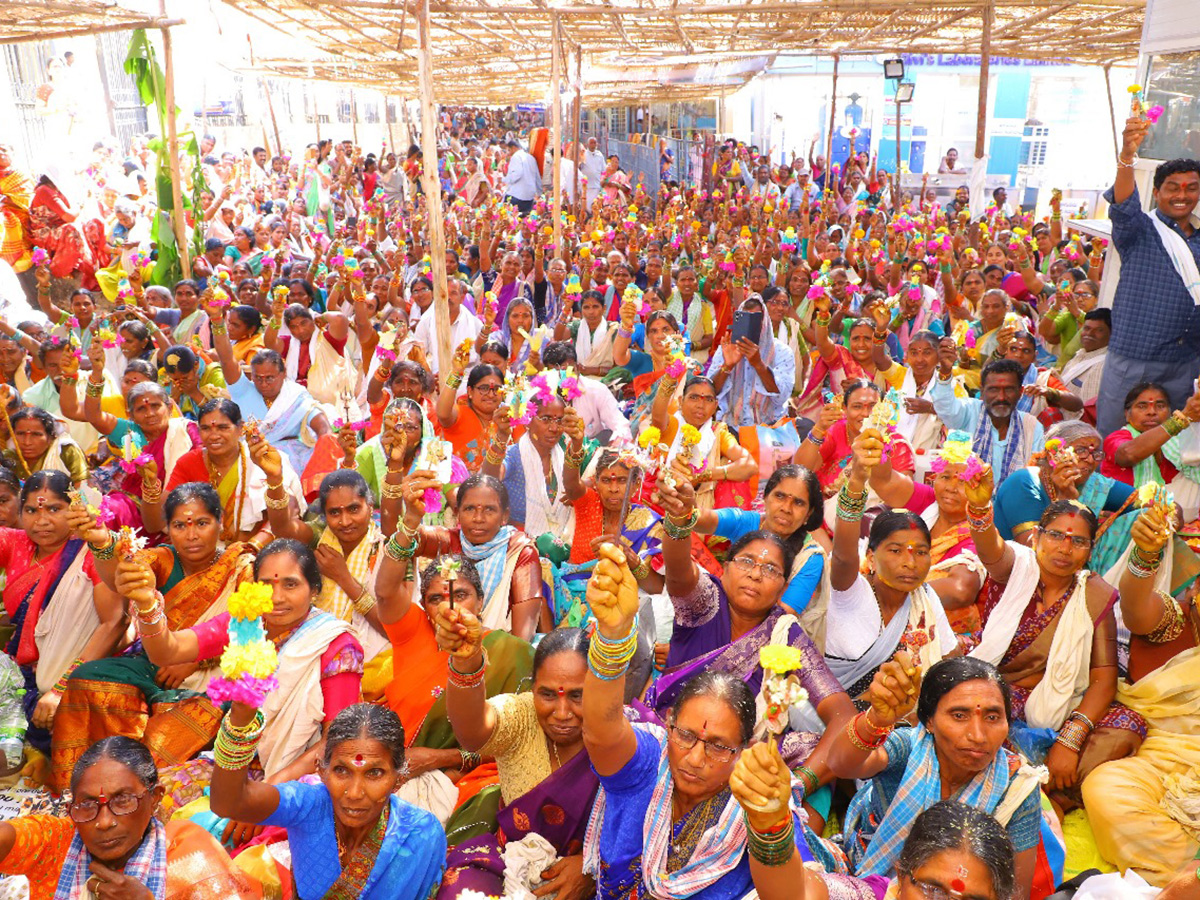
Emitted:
<point x="463" y="325"/>
<point x="602" y="418"/>
<point x="523" y="181"/>
<point x="592" y="168"/>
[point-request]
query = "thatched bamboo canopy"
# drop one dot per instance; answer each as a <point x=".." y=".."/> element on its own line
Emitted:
<point x="40" y="20"/>
<point x="498" y="51"/>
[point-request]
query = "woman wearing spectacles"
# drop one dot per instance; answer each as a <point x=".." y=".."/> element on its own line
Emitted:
<point x="956" y="751"/>
<point x="1048" y="626"/>
<point x="722" y="624"/>
<point x="693" y="810"/>
<point x="111" y="844"/>
<point x="955" y="852"/>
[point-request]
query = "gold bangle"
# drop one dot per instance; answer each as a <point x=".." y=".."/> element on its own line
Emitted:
<point x="272" y="503"/>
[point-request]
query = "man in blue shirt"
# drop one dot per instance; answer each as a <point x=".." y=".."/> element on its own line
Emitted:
<point x="1156" y="308"/>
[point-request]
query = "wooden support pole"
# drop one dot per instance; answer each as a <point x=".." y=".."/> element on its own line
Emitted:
<point x="391" y="134"/>
<point x="102" y="67"/>
<point x="830" y="187"/>
<point x="433" y="193"/>
<point x="354" y="115"/>
<point x="274" y="122"/>
<point x="178" y="221"/>
<point x="556" y="65"/>
<point x="985" y="62"/>
<point x="1112" y="110"/>
<point x="578" y="118"/>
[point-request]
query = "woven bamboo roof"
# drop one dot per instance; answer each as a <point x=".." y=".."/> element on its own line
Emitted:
<point x="37" y="20"/>
<point x="498" y="51"/>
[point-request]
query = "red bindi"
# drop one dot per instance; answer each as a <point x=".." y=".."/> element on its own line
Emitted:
<point x="958" y="885"/>
<point x="358" y="759"/>
<point x="561" y="692"/>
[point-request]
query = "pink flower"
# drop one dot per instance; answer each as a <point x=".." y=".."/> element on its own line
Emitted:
<point x="40" y="257"/>
<point x="268" y="262"/>
<point x="385" y="355"/>
<point x="676" y="368"/>
<point x="1154" y="113"/>
<point x="816" y="292"/>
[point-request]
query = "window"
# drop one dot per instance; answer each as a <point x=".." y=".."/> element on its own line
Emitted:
<point x="1033" y="144"/>
<point x="1174" y="84"/>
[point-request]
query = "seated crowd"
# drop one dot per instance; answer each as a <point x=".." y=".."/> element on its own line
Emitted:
<point x="758" y="537"/>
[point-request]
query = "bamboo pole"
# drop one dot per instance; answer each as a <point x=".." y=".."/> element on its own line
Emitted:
<point x="1112" y="110"/>
<point x="433" y="193"/>
<point x="354" y="115"/>
<point x="556" y="64"/>
<point x="985" y="62"/>
<point x="274" y="122"/>
<point x="179" y="223"/>
<point x="578" y="118"/>
<point x="829" y="186"/>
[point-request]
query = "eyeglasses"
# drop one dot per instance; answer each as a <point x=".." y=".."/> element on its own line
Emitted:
<point x="713" y="752"/>
<point x="552" y="421"/>
<point x="1058" y="537"/>
<point x="83" y="811"/>
<point x="487" y="388"/>
<point x="746" y="565"/>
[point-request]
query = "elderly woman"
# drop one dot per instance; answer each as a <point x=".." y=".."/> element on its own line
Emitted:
<point x="754" y="376"/>
<point x="506" y="557"/>
<point x="355" y="837"/>
<point x="443" y="776"/>
<point x="955" y="752"/>
<point x="196" y="578"/>
<point x="547" y="785"/>
<point x="112" y="843"/>
<point x="671" y="812"/>
<point x="722" y="624"/>
<point x="150" y="442"/>
<point x="508" y="285"/>
<point x="193" y="380"/>
<point x="1063" y="687"/>
<point x="61" y="612"/>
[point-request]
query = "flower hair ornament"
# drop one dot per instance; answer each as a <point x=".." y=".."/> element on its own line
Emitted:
<point x="957" y="450"/>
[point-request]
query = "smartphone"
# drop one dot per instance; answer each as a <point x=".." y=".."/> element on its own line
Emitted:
<point x="747" y="325"/>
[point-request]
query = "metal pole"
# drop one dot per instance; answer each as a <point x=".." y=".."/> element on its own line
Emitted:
<point x="1112" y="111"/>
<point x="896" y="198"/>
<point x="433" y="193"/>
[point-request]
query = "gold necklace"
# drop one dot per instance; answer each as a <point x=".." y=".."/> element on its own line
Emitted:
<point x="557" y="758"/>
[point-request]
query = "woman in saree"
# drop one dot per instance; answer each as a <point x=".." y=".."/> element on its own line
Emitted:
<point x="40" y="444"/>
<point x="836" y="365"/>
<point x="608" y="495"/>
<point x="952" y="845"/>
<point x="349" y="551"/>
<point x="150" y="443"/>
<point x="73" y="245"/>
<point x="722" y="624"/>
<point x="112" y="842"/>
<point x="547" y="784"/>
<point x="350" y="834"/>
<point x="681" y="807"/>
<point x="245" y="327"/>
<point x="187" y="320"/>
<point x="509" y="567"/>
<point x="828" y="448"/>
<point x="955" y="572"/>
<point x="407" y="430"/>
<point x="161" y="705"/>
<point x="1139" y="806"/>
<point x="61" y="612"/>
<point x="442" y="776"/>
<point x="319" y="673"/>
<point x="787" y="327"/>
<point x="16" y="193"/>
<point x="224" y="461"/>
<point x="647" y="368"/>
<point x="193" y="380"/>
<point x="886" y="605"/>
<point x="519" y="317"/>
<point x="956" y="752"/>
<point x="541" y="470"/>
<point x="592" y="334"/>
<point x="1133" y="454"/>
<point x="793" y="508"/>
<point x="465" y="420"/>
<point x="980" y="341"/>
<point x="1048" y="626"/>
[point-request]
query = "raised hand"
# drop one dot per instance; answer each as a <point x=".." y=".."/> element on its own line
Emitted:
<point x="894" y="690"/>
<point x="1150" y="531"/>
<point x="83" y="522"/>
<point x="980" y="486"/>
<point x="458" y="631"/>
<point x="762" y="784"/>
<point x="265" y="457"/>
<point x="612" y="592"/>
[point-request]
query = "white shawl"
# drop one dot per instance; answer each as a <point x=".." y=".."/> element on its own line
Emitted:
<point x="295" y="711"/>
<point x="66" y="624"/>
<point x="541" y="513"/>
<point x="1181" y="256"/>
<point x="1067" y="674"/>
<point x="594" y="351"/>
